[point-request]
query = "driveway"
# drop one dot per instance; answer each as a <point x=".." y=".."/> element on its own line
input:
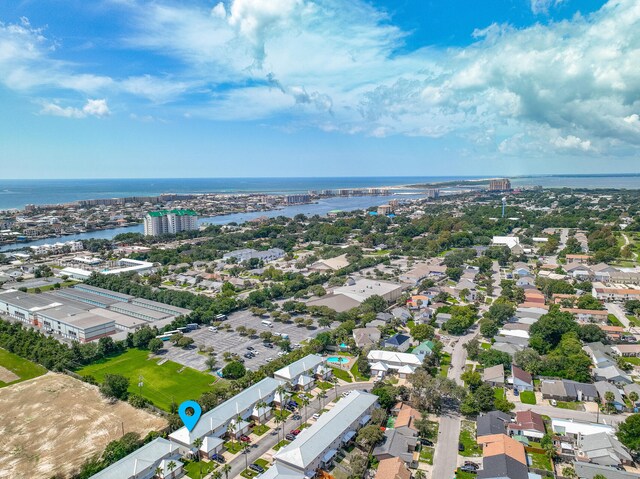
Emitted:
<point x="618" y="312"/>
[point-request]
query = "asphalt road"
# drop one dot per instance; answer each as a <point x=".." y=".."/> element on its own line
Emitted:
<point x="445" y="459"/>
<point x="261" y="447"/>
<point x="618" y="312"/>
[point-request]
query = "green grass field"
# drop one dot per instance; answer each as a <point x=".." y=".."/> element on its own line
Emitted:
<point x="468" y="439"/>
<point x="528" y="397"/>
<point x="21" y="367"/>
<point x="161" y="383"/>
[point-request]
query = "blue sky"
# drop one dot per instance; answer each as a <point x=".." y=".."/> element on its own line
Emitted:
<point x="194" y="88"/>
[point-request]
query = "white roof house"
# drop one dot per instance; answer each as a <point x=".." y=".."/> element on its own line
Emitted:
<point x="292" y="373"/>
<point x="360" y="289"/>
<point x="214" y="423"/>
<point x="509" y="241"/>
<point x="570" y="427"/>
<point x="316" y="445"/>
<point x="393" y="359"/>
<point x="143" y="462"/>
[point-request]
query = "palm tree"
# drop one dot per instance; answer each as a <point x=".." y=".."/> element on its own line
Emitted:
<point x="216" y="475"/>
<point x="197" y="442"/>
<point x="633" y="397"/>
<point x="419" y="473"/>
<point x="245" y="451"/>
<point x="609" y="397"/>
<point x="231" y="430"/>
<point x="334" y="380"/>
<point x="226" y="469"/>
<point x="278" y="420"/>
<point x="171" y="466"/>
<point x="158" y="472"/>
<point x="305" y="403"/>
<point x="260" y="405"/>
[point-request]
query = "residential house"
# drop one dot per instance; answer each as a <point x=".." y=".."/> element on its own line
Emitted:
<point x="302" y="373"/>
<point x="566" y="390"/>
<point x="143" y="463"/>
<point x="612" y="374"/>
<point x="364" y="337"/>
<point x="493" y="422"/>
<point x="586" y="470"/>
<point x="384" y="361"/>
<point x="403" y="314"/>
<point x="502" y="458"/>
<point x="424" y="349"/>
<point x="632" y="388"/>
<point x="612" y="294"/>
<point x="603" y="449"/>
<point x="520" y="379"/>
<point x="494" y="375"/>
<point x="588" y="315"/>
<point x="399" y="342"/>
<point x="229" y="418"/>
<point x="316" y="446"/>
<point x="397" y="444"/>
<point x="528" y="424"/>
<point x="604" y="387"/>
<point x="525" y="281"/>
<point x="405" y="418"/>
<point x="442" y="318"/>
<point x="600" y="354"/>
<point x="521" y="269"/>
<point x="392" y="468"/>
<point x="331" y="264"/>
<point x="626" y="350"/>
<point x="572" y="429"/>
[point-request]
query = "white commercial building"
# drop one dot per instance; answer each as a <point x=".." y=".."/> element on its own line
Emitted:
<point x="316" y="446"/>
<point x="573" y="429"/>
<point x="360" y="289"/>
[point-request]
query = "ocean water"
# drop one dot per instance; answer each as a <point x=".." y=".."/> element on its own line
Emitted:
<point x="17" y="193"/>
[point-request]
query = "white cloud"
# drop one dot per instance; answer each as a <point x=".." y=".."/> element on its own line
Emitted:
<point x="568" y="87"/>
<point x="97" y="108"/>
<point x="573" y="143"/>
<point x="542" y="6"/>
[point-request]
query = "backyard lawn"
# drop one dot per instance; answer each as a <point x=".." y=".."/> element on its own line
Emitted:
<point x="355" y="372"/>
<point x="574" y="406"/>
<point x="468" y="440"/>
<point x="528" y="397"/>
<point x="160" y="383"/>
<point x="199" y="469"/>
<point x="14" y="369"/>
<point x="539" y="461"/>
<point x="445" y="362"/>
<point x="342" y="375"/>
<point x="498" y="393"/>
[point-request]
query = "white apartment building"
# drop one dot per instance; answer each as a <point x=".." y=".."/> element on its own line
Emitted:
<point x="162" y="222"/>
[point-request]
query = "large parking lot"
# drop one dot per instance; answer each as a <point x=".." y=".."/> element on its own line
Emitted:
<point x="223" y="341"/>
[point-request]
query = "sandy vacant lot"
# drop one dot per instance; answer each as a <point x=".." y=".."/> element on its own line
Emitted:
<point x="52" y="423"/>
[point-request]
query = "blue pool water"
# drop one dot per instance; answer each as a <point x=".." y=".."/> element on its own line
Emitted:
<point x="337" y="359"/>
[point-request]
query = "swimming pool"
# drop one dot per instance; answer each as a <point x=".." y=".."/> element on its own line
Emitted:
<point x="337" y="359"/>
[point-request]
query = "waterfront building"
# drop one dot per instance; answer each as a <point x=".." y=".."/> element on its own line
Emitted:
<point x="157" y="223"/>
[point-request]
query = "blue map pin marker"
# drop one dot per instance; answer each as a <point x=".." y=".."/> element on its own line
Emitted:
<point x="190" y="421"/>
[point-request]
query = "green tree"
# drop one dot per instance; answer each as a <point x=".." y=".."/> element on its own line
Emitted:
<point x="115" y="386"/>
<point x="234" y="370"/>
<point x="369" y="436"/>
<point x="421" y="332"/>
<point x="155" y="345"/>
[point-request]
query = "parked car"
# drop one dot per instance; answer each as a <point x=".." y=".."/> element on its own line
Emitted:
<point x="296" y="417"/>
<point x="256" y="467"/>
<point x="250" y="348"/>
<point x="295" y="432"/>
<point x="292" y="403"/>
<point x="471" y="464"/>
<point x="218" y="458"/>
<point x="460" y="447"/>
<point x="516" y="392"/>
<point x="316" y="416"/>
<point x="268" y="345"/>
<point x="269" y="360"/>
<point x="248" y="355"/>
<point x="245" y="438"/>
<point x="290" y="437"/>
<point x="554" y="402"/>
<point x="426" y="442"/>
<point x="469" y="469"/>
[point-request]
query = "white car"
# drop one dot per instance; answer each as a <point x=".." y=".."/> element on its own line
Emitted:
<point x="213" y="329"/>
<point x="316" y="416"/>
<point x="554" y="402"/>
<point x="269" y="360"/>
